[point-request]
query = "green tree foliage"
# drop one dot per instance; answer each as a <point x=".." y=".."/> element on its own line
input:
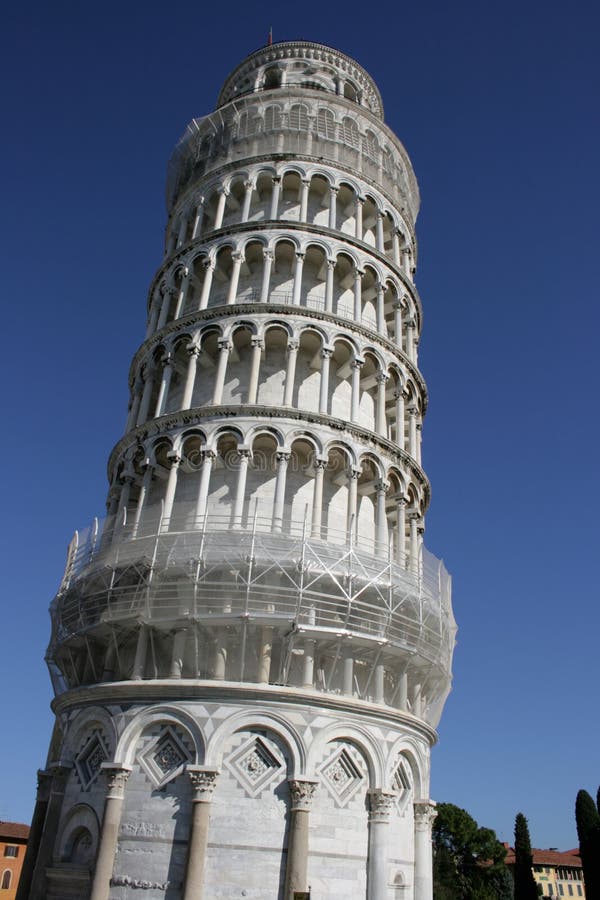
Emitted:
<point x="468" y="861"/>
<point x="525" y="886"/>
<point x="588" y="832"/>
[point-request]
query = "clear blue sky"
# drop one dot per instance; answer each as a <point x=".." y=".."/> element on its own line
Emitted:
<point x="497" y="105"/>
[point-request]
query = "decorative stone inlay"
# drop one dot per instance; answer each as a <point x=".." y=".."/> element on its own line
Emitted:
<point x="342" y="776"/>
<point x="164" y="758"/>
<point x="140" y="884"/>
<point x="89" y="761"/>
<point x="255" y="766"/>
<point x="402" y="786"/>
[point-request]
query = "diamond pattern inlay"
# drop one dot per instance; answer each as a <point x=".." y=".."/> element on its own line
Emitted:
<point x="164" y="758"/>
<point x="90" y="759"/>
<point x="255" y="766"/>
<point x="342" y="776"/>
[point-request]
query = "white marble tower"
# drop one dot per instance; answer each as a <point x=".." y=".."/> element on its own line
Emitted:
<point x="251" y="652"/>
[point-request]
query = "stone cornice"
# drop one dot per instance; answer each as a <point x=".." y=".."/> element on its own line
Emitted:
<point x="266" y="695"/>
<point x="164" y="424"/>
<point x="277" y="309"/>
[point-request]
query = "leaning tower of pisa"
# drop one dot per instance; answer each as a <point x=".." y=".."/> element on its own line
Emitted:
<point x="251" y="651"/>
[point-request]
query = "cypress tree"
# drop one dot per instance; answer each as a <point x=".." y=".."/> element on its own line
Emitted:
<point x="525" y="886"/>
<point x="588" y="832"/>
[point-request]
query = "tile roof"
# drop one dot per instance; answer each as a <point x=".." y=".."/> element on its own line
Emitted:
<point x="14" y="830"/>
<point x="549" y="857"/>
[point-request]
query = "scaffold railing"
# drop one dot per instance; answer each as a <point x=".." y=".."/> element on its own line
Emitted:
<point x="215" y="568"/>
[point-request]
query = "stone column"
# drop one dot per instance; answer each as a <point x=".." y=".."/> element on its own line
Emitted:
<point x="248" y="191"/>
<point x="298" y="279"/>
<point x="381" y="544"/>
<point x="198" y="219"/>
<point x="263" y="672"/>
<point x="358" y="218"/>
<point x="401" y="532"/>
<point x="380" y="806"/>
<point x="398" y="323"/>
<point x="170" y="491"/>
<point x="223" y="194"/>
<point x="37" y="839"/>
<point x="182" y="295"/>
<point x="326" y="354"/>
<point x="396" y="246"/>
<point x="419" y="428"/>
<point x="425" y="813"/>
<point x="153" y="317"/>
<point x="283" y="458"/>
<point x="302" y="792"/>
<point x="182" y="231"/>
<point x="412" y="431"/>
<point x="320" y="465"/>
<point x="308" y="674"/>
<point x="207" y="461"/>
<point x="304" y="199"/>
<point x="381" y="419"/>
<point x="355" y="366"/>
<point x="358" y="274"/>
<point x="164" y="308"/>
<point x="353" y="476"/>
<point x="275" y="198"/>
<point x="266" y="276"/>
<point x="257" y="348"/>
<point x="134" y="409"/>
<point x="290" y="374"/>
<point x="348" y="672"/>
<point x="406" y="262"/>
<point x="329" y="285"/>
<point x="144" y="488"/>
<point x="381" y="327"/>
<point x="333" y="191"/>
<point x="139" y="663"/>
<point x="238" y="507"/>
<point x="116" y="778"/>
<point x="165" y="383"/>
<point x="209" y="268"/>
<point x="399" y="396"/>
<point x="238" y="259"/>
<point x="379" y="232"/>
<point x="203" y="781"/>
<point x="413" y="550"/>
<point x="178" y="653"/>
<point x="410" y="336"/>
<point x="188" y="390"/>
<point x="224" y="349"/>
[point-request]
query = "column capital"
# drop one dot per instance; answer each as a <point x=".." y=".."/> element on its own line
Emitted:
<point x="305" y="181"/>
<point x="401" y="499"/>
<point x="44" y="783"/>
<point x="331" y="263"/>
<point x="268" y="254"/>
<point x="360" y="199"/>
<point x="425" y="812"/>
<point x="276" y="179"/>
<point x="193" y="350"/>
<point x="382" y="486"/>
<point x="358" y="274"/>
<point x="354" y="473"/>
<point x="208" y="264"/>
<point x="244" y="452"/>
<point x="283" y="455"/>
<point x="357" y="363"/>
<point x="333" y="189"/>
<point x="412" y="410"/>
<point x="249" y="184"/>
<point x="293" y="345"/>
<point x="381" y="377"/>
<point x="300" y="255"/>
<point x="381" y="804"/>
<point x="302" y="792"/>
<point x="203" y="781"/>
<point x="223" y="190"/>
<point x="174" y="458"/>
<point x="327" y="352"/>
<point x="199" y="201"/>
<point x="224" y="344"/>
<point x="238" y="256"/>
<point x="116" y="779"/>
<point x="320" y="462"/>
<point x="257" y="342"/>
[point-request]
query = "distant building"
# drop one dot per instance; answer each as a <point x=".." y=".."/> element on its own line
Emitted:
<point x="13" y="842"/>
<point x="559" y="873"/>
